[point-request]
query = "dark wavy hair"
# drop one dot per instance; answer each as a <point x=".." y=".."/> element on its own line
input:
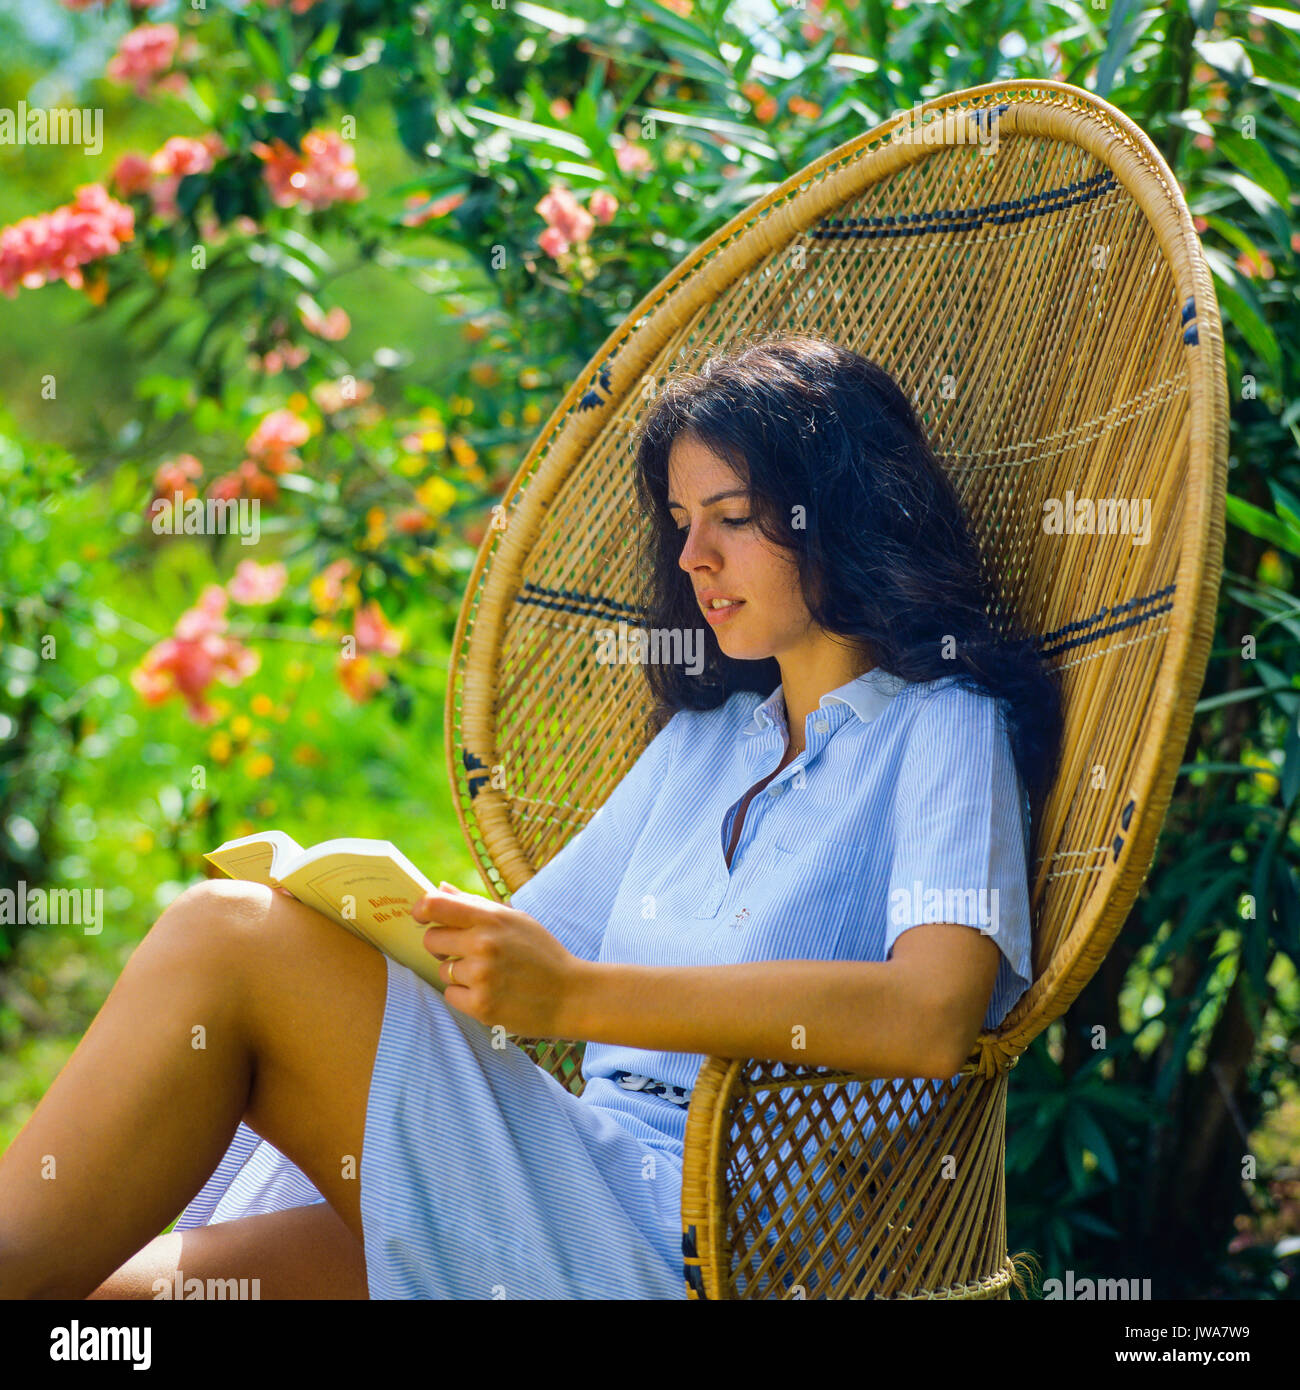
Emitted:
<point x="886" y="558"/>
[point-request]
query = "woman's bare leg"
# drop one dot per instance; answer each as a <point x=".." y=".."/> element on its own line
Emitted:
<point x="301" y="1252"/>
<point x="240" y="1003"/>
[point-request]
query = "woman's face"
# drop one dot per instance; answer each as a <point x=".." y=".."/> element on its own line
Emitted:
<point x="724" y="552"/>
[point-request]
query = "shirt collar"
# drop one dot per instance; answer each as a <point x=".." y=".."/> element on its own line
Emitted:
<point x="867" y="696"/>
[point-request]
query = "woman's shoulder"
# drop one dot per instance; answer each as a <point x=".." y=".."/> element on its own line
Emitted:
<point x="943" y="703"/>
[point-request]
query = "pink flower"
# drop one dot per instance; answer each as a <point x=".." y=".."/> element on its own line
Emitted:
<point x="160" y="175"/>
<point x="131" y="174"/>
<point x="188" y="662"/>
<point x="184" y="155"/>
<point x="248" y="479"/>
<point x="254" y="583"/>
<point x="632" y="157"/>
<point x="318" y="176"/>
<point x="175" y="476"/>
<point x="54" y="245"/>
<point x="360" y="677"/>
<point x="567" y="222"/>
<point x="552" y="242"/>
<point x="602" y="205"/>
<point x="332" y="326"/>
<point x="169" y="164"/>
<point x="373" y="633"/>
<point x="273" y="441"/>
<point x="143" y="54"/>
<point x="283" y="355"/>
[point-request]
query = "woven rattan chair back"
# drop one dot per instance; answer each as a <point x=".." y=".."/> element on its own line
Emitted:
<point x="1024" y="264"/>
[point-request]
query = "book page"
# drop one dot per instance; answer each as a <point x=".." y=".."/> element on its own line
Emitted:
<point x="372" y="897"/>
<point x="253" y="857"/>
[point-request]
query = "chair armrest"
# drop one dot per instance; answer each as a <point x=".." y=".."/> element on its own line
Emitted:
<point x="794" y="1183"/>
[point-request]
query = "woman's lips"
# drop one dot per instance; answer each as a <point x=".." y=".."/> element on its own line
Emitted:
<point x="720" y="615"/>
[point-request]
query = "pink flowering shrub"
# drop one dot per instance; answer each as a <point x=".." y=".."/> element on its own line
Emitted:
<point x="318" y="176"/>
<point x="143" y="55"/>
<point x="197" y="654"/>
<point x="55" y="245"/>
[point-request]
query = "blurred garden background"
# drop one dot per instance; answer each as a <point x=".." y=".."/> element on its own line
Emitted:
<point x="345" y="258"/>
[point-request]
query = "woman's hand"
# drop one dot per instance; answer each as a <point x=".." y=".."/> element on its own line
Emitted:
<point x="509" y="970"/>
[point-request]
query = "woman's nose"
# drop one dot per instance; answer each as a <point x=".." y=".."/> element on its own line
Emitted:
<point x="694" y="553"/>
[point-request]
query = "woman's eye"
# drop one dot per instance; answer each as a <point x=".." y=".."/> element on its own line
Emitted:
<point x="726" y="521"/>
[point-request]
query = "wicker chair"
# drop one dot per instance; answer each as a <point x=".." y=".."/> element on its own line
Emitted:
<point x="1058" y="284"/>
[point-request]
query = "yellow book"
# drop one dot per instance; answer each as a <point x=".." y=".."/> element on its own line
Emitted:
<point x="367" y="886"/>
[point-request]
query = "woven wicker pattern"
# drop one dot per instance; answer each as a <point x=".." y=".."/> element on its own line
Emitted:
<point x="1050" y="311"/>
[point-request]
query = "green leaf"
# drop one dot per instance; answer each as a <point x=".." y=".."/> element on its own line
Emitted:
<point x="1291" y="764"/>
<point x="1261" y="523"/>
<point x="1096" y="1142"/>
<point x="1261" y="201"/>
<point x="1288" y="19"/>
<point x="261" y="52"/>
<point x="1254" y="160"/>
<point x="1239" y="306"/>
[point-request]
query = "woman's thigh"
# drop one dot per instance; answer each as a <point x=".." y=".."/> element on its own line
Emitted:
<point x="300" y="1252"/>
<point x="312" y="1006"/>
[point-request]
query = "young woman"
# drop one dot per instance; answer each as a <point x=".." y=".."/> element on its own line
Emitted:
<point x="819" y="858"/>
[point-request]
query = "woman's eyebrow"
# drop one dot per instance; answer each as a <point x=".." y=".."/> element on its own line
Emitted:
<point x="709" y="501"/>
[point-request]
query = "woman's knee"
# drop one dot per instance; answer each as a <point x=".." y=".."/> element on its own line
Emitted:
<point x="209" y="922"/>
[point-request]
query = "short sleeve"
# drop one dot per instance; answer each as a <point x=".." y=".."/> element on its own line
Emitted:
<point x="572" y="895"/>
<point x="961" y="836"/>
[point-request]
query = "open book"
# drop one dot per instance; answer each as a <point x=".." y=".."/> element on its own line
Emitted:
<point x="367" y="886"/>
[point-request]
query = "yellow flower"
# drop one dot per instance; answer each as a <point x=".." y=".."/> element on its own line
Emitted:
<point x="1267" y="779"/>
<point x="532" y="413"/>
<point x="376" y="528"/>
<point x="462" y="452"/>
<point x="530" y="378"/>
<point x="143" y="841"/>
<point x="219" y="747"/>
<point x="259" y="765"/>
<point x="435" y="495"/>
<point x="433" y="440"/>
<point x="507" y="418"/>
<point x="297" y="403"/>
<point x="262" y="704"/>
<point x="322" y="627"/>
<point x="408" y="465"/>
<point x="241" y="726"/>
<point x="429" y="414"/>
<point x="245" y="827"/>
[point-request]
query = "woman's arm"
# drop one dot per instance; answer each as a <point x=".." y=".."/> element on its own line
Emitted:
<point x="915" y="1015"/>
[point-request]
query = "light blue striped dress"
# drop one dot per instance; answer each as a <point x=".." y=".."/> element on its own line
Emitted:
<point x="481" y="1176"/>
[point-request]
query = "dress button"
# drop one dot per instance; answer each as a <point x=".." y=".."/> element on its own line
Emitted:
<point x="820" y="725"/>
<point x="776" y="789"/>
